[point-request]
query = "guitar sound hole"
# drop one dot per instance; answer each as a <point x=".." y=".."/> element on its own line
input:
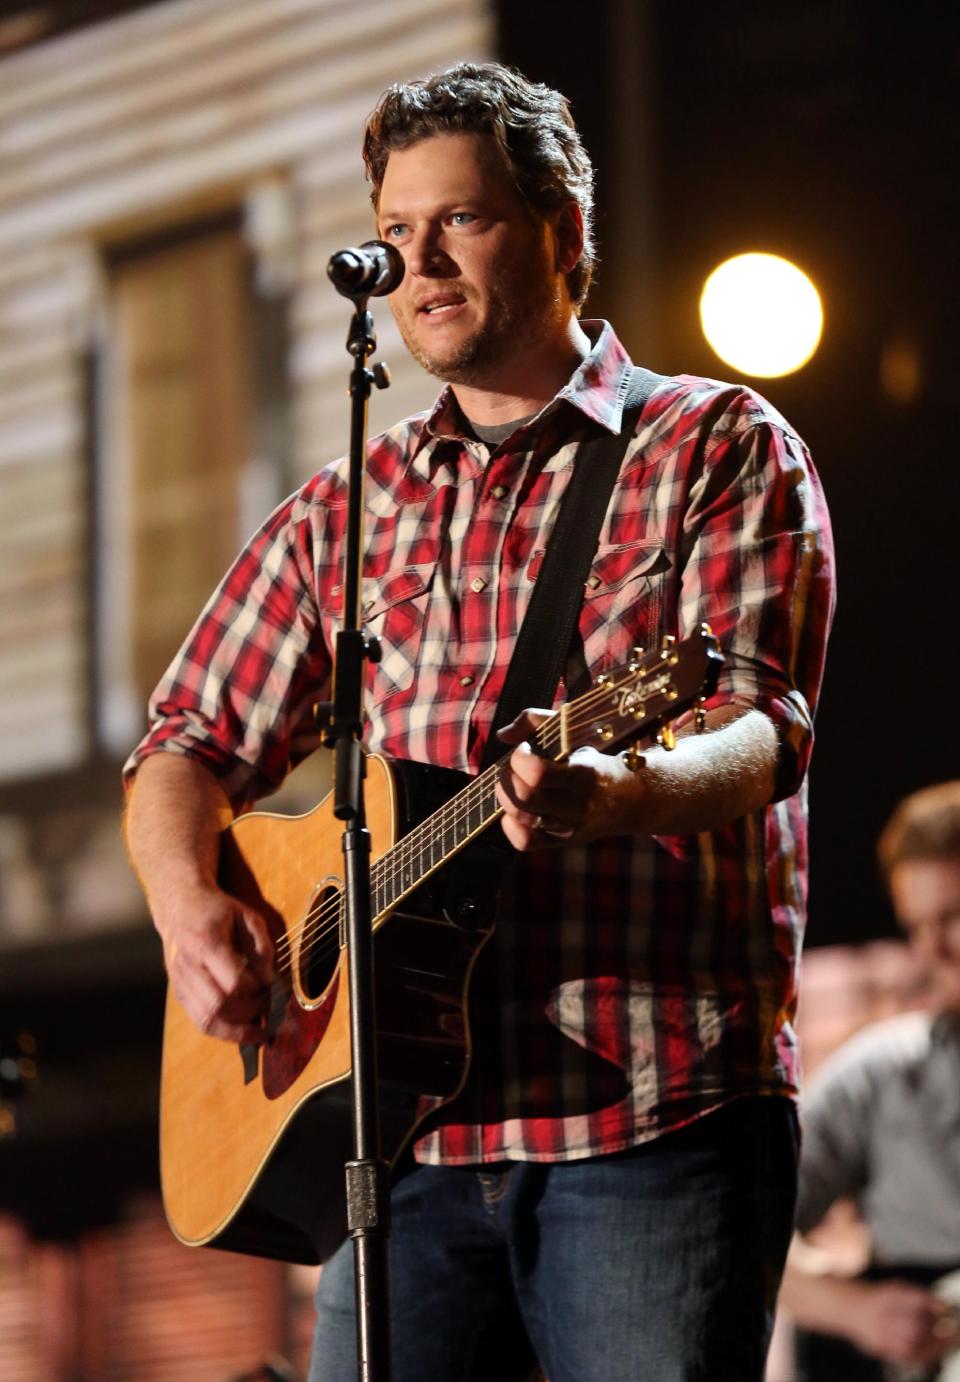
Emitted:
<point x="321" y="940"/>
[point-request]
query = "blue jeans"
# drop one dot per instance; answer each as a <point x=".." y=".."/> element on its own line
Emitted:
<point x="660" y="1264"/>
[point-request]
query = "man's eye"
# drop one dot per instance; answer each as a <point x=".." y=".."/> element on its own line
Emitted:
<point x="395" y="232"/>
<point x="462" y="218"/>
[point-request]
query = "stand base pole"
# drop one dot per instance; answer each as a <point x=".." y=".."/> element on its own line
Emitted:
<point x="368" y="1218"/>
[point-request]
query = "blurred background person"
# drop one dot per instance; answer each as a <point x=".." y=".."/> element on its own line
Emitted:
<point x="882" y="1127"/>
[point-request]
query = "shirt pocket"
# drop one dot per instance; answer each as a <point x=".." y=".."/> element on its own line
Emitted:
<point x="395" y="611"/>
<point x="624" y="604"/>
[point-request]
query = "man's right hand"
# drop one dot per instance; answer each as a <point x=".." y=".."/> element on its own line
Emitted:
<point x="219" y="959"/>
<point x="218" y="952"/>
<point x="900" y="1323"/>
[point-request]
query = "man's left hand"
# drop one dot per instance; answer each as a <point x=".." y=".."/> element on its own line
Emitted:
<point x="546" y="804"/>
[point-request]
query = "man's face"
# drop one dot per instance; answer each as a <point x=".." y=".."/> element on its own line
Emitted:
<point x="926" y="898"/>
<point x="481" y="283"/>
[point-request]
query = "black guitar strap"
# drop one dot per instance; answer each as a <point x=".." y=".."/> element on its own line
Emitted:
<point x="543" y="643"/>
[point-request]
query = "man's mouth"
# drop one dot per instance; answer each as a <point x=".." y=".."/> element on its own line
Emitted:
<point x="440" y="306"/>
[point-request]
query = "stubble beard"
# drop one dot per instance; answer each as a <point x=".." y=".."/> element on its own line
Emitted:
<point x="517" y="319"/>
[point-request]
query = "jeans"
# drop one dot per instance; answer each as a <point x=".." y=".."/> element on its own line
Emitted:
<point x="660" y="1264"/>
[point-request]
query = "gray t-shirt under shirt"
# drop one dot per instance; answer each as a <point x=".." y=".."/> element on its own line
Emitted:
<point x="493" y="436"/>
<point x="881" y="1124"/>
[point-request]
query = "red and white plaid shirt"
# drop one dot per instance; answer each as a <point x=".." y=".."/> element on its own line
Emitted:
<point x="634" y="983"/>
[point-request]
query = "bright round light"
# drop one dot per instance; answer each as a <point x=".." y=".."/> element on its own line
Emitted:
<point x="761" y="314"/>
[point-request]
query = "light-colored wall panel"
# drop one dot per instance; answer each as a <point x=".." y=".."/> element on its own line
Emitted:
<point x="126" y="128"/>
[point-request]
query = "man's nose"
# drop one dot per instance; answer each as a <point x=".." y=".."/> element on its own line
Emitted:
<point x="426" y="255"/>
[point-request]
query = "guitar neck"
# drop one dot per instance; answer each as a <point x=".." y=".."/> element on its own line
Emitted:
<point x="623" y="705"/>
<point x="434" y="841"/>
<point x="448" y="830"/>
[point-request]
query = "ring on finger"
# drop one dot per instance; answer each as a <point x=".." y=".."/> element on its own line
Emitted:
<point x="548" y="825"/>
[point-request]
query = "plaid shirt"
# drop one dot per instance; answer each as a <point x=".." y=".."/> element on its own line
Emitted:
<point x="635" y="983"/>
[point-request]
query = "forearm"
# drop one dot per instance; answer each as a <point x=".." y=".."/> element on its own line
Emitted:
<point x="706" y="781"/>
<point x="217" y="950"/>
<point x="175" y="813"/>
<point x="891" y="1319"/>
<point x="817" y="1299"/>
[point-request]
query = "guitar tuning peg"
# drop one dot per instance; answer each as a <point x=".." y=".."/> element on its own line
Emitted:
<point x="666" y="737"/>
<point x="633" y="758"/>
<point x="699" y="717"/>
<point x="667" y="648"/>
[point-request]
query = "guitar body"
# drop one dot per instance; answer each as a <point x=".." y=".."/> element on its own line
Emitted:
<point x="253" y="1140"/>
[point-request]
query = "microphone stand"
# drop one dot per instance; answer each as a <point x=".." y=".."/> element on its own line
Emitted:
<point x="367" y="1175"/>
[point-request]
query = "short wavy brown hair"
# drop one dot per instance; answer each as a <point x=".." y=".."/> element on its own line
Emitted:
<point x="530" y="122"/>
<point x="926" y="825"/>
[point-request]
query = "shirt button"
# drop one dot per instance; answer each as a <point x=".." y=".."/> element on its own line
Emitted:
<point x="466" y="681"/>
<point x="498" y="491"/>
<point x="478" y="584"/>
<point x="593" y="582"/>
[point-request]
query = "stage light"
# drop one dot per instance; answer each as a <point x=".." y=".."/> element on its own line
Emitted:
<point x="761" y="314"/>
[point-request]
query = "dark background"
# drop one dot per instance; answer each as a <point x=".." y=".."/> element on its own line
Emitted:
<point x="831" y="135"/>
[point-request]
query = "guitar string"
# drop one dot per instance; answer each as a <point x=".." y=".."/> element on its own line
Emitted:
<point x="326" y="918"/>
<point x="324" y="922"/>
<point x="480" y="789"/>
<point x="387" y="874"/>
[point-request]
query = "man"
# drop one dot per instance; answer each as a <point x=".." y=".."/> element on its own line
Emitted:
<point x="612" y="1192"/>
<point x="882" y="1126"/>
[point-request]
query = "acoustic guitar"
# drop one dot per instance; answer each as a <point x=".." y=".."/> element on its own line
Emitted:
<point x="253" y="1139"/>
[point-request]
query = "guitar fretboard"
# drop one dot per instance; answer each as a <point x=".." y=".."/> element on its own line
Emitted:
<point x="624" y="704"/>
<point x="434" y="841"/>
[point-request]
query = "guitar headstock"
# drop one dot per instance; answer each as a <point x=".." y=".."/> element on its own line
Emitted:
<point x="644" y="695"/>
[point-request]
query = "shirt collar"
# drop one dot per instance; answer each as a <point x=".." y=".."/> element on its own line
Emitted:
<point x="597" y="388"/>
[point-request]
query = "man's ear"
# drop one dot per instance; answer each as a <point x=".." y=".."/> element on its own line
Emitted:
<point x="568" y="237"/>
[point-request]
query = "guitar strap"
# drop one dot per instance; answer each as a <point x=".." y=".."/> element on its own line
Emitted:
<point x="543" y="643"/>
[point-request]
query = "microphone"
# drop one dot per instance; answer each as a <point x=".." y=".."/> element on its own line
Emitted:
<point x="370" y="271"/>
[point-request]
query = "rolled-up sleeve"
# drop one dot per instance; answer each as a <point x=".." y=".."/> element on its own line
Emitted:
<point x="239" y="695"/>
<point x="759" y="569"/>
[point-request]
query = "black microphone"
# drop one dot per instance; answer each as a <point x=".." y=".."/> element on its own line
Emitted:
<point x="370" y="271"/>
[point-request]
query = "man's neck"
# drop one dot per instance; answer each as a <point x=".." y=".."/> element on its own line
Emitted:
<point x="528" y="385"/>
